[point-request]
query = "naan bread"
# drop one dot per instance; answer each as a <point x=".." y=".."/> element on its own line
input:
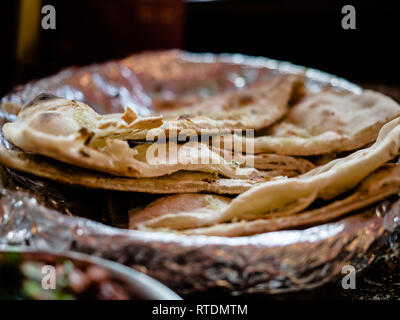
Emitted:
<point x="72" y="132"/>
<point x="326" y="122"/>
<point x="179" y="182"/>
<point x="255" y="107"/>
<point x="48" y="114"/>
<point x="292" y="195"/>
<point x="267" y="161"/>
<point x="380" y="184"/>
<point x="198" y="204"/>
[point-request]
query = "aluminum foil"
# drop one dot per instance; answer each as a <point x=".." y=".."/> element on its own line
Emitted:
<point x="274" y="262"/>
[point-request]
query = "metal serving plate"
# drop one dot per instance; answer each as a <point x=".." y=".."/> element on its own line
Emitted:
<point x="144" y="287"/>
<point x="274" y="262"/>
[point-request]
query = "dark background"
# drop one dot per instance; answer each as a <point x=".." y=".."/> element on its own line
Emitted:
<point x="304" y="32"/>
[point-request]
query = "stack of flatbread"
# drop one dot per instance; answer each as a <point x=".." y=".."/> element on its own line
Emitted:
<point x="305" y="158"/>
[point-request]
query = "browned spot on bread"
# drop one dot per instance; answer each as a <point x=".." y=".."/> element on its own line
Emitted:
<point x="184" y="116"/>
<point x="245" y="99"/>
<point x="129" y="116"/>
<point x="107" y="124"/>
<point x="87" y="135"/>
<point x="84" y="153"/>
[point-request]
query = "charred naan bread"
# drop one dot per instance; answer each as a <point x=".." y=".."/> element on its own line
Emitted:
<point x="292" y="195"/>
<point x="72" y="132"/>
<point x="255" y="107"/>
<point x="378" y="185"/>
<point x="326" y="122"/>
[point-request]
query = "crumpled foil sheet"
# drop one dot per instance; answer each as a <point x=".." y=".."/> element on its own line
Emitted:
<point x="274" y="262"/>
